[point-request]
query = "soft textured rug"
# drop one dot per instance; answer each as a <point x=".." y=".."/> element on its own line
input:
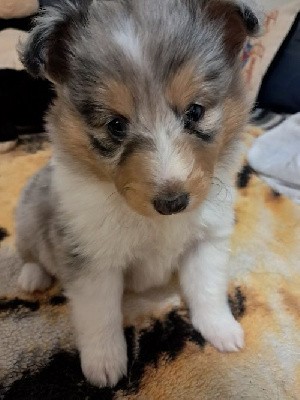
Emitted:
<point x="168" y="360"/>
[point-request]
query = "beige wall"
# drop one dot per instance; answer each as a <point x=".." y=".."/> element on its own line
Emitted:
<point x="267" y="4"/>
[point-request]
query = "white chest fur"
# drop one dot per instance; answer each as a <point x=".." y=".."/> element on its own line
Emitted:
<point x="114" y="236"/>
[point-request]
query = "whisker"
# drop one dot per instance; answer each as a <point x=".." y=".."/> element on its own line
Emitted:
<point x="110" y="196"/>
<point x="219" y="183"/>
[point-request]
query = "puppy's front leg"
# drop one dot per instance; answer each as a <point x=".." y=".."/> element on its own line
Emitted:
<point x="96" y="310"/>
<point x="204" y="283"/>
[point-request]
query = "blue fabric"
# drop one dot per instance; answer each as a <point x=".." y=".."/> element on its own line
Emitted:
<point x="280" y="90"/>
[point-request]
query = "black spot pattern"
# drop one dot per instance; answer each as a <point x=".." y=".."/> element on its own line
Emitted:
<point x="165" y="339"/>
<point x="237" y="303"/>
<point x="58" y="300"/>
<point x="62" y="378"/>
<point x="3" y="234"/>
<point x="15" y="304"/>
<point x="276" y="194"/>
<point x="244" y="177"/>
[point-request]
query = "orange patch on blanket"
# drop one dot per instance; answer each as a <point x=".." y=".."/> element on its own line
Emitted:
<point x="287" y="219"/>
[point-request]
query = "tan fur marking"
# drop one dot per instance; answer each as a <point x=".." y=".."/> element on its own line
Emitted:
<point x="203" y="158"/>
<point x="73" y="141"/>
<point x="137" y="187"/>
<point x="118" y="98"/>
<point x="183" y="88"/>
<point x="235" y="117"/>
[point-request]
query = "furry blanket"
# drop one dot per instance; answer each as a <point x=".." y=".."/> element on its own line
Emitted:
<point x="168" y="360"/>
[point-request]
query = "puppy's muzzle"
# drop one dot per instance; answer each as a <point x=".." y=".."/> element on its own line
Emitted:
<point x="173" y="204"/>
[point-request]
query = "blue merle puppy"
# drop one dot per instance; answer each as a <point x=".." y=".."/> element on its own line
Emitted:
<point x="146" y="134"/>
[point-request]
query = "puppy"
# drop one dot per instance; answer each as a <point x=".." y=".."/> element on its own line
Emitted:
<point x="146" y="134"/>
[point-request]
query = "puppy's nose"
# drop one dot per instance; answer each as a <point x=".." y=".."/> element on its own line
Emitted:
<point x="173" y="204"/>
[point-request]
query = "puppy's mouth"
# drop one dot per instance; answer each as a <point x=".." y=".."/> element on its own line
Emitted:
<point x="171" y="204"/>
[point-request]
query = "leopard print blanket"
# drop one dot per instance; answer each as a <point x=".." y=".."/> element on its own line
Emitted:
<point x="168" y="360"/>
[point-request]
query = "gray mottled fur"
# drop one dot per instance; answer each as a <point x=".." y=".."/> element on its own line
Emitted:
<point x="42" y="236"/>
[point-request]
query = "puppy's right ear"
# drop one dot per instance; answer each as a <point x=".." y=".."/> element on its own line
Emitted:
<point x="47" y="51"/>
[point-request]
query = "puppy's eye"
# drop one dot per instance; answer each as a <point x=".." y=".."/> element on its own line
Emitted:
<point x="193" y="114"/>
<point x="118" y="128"/>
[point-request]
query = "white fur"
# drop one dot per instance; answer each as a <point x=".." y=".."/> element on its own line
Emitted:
<point x="96" y="307"/>
<point x="204" y="278"/>
<point x="170" y="165"/>
<point x="101" y="219"/>
<point x="33" y="277"/>
<point x="128" y="40"/>
<point x="116" y="240"/>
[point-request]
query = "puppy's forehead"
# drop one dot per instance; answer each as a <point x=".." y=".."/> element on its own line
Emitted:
<point x="158" y="34"/>
<point x="147" y="48"/>
<point x="179" y="90"/>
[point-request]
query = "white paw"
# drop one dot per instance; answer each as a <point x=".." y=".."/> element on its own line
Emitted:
<point x="105" y="364"/>
<point x="33" y="277"/>
<point x="223" y="332"/>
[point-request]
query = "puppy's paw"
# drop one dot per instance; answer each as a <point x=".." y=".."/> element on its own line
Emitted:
<point x="105" y="364"/>
<point x="224" y="333"/>
<point x="33" y="277"/>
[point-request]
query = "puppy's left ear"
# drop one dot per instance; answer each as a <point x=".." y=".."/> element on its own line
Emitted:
<point x="237" y="18"/>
